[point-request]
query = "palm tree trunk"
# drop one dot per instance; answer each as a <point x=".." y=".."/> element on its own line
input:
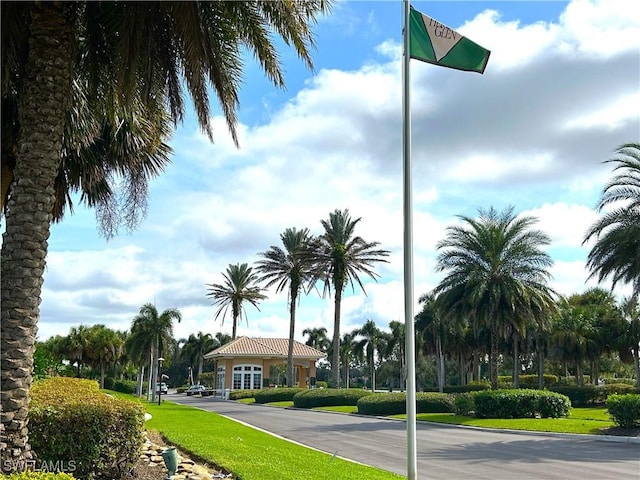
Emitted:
<point x="140" y="381"/>
<point x="493" y="359"/>
<point x="540" y="366"/>
<point x="335" y="357"/>
<point x="636" y="362"/>
<point x="516" y="361"/>
<point x="200" y="364"/>
<point x="292" y="331"/>
<point x="42" y="108"/>
<point x="150" y="381"/>
<point x="439" y="364"/>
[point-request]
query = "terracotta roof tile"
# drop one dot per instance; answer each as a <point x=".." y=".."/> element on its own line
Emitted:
<point x="264" y="347"/>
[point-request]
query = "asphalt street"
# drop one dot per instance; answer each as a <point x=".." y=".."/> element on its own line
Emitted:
<point x="444" y="452"/>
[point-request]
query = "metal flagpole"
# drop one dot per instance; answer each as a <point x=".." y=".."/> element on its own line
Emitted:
<point x="408" y="255"/>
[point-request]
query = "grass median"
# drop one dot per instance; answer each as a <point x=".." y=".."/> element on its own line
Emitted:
<point x="249" y="453"/>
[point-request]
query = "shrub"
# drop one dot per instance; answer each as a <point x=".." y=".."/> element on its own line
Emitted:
<point x="330" y="397"/>
<point x="182" y="388"/>
<point x="624" y="409"/>
<point x="460" y="388"/>
<point x="322" y="384"/>
<point x="618" y="388"/>
<point x="520" y="403"/>
<point x="72" y="420"/>
<point x="238" y="394"/>
<point x="268" y="395"/>
<point x="27" y="475"/>
<point x="396" y="403"/>
<point x="581" y="396"/>
<point x="464" y="403"/>
<point x="207" y="379"/>
<point x="125" y="386"/>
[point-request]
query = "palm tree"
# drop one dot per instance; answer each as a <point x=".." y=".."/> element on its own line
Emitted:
<point x="340" y="257"/>
<point x="288" y="267"/>
<point x="238" y="287"/>
<point x="373" y="341"/>
<point x="396" y="348"/>
<point x="153" y="331"/>
<point x="348" y="352"/>
<point x="629" y="341"/>
<point x="105" y="346"/>
<point x="195" y="347"/>
<point x="432" y="333"/>
<point x="496" y="275"/>
<point x="123" y="54"/>
<point x="616" y="253"/>
<point x="77" y="347"/>
<point x="317" y="338"/>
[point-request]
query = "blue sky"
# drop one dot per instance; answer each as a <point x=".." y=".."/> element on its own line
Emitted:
<point x="560" y="93"/>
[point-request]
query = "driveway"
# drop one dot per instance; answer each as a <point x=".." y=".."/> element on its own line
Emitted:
<point x="444" y="452"/>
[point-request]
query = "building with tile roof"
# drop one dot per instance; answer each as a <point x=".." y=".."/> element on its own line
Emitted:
<point x="244" y="363"/>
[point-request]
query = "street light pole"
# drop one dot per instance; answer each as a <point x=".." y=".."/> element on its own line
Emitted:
<point x="159" y="380"/>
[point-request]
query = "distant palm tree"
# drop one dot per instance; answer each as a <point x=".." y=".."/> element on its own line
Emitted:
<point x="153" y="332"/>
<point x="76" y="347"/>
<point x="105" y="346"/>
<point x="629" y="341"/>
<point x="372" y="343"/>
<point x="432" y="334"/>
<point x="497" y="275"/>
<point x="348" y="353"/>
<point x="239" y="286"/>
<point x="288" y="268"/>
<point x="616" y="253"/>
<point x="195" y="347"/>
<point x="396" y="348"/>
<point x="317" y="338"/>
<point x="340" y="257"/>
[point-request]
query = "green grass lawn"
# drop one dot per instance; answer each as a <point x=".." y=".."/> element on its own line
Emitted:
<point x="249" y="453"/>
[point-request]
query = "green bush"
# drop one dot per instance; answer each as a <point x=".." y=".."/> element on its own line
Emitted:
<point x="624" y="409"/>
<point x="125" y="386"/>
<point x="460" y="388"/>
<point x="322" y="384"/>
<point x="329" y="397"/>
<point x="581" y="396"/>
<point x="464" y="403"/>
<point x="39" y="476"/>
<point x="615" y="380"/>
<point x="529" y="381"/>
<point x="207" y="379"/>
<point x="520" y="403"/>
<point x="268" y="395"/>
<point x="395" y="403"/>
<point x="618" y="388"/>
<point x="238" y="394"/>
<point x="182" y="388"/>
<point x="71" y="419"/>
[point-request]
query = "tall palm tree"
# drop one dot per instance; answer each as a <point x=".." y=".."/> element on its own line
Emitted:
<point x="195" y="347"/>
<point x="122" y="53"/>
<point x="77" y="347"/>
<point x="155" y="331"/>
<point x="288" y="268"/>
<point x="616" y="253"/>
<point x="496" y="274"/>
<point x="340" y="257"/>
<point x="239" y="286"/>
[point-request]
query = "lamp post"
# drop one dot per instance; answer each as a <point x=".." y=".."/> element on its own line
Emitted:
<point x="159" y="380"/>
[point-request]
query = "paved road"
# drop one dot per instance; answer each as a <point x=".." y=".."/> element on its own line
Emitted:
<point x="444" y="452"/>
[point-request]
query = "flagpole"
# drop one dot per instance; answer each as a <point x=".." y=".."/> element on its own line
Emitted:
<point x="408" y="254"/>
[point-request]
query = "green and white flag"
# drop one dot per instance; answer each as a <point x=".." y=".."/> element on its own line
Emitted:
<point x="435" y="43"/>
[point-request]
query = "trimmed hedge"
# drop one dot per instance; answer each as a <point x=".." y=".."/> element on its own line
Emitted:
<point x="624" y="409"/>
<point x="474" y="387"/>
<point x="268" y="395"/>
<point x="520" y="403"/>
<point x="71" y="419"/>
<point x="238" y="394"/>
<point x="529" y="381"/>
<point x="329" y="397"/>
<point x="395" y="403"/>
<point x="585" y="395"/>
